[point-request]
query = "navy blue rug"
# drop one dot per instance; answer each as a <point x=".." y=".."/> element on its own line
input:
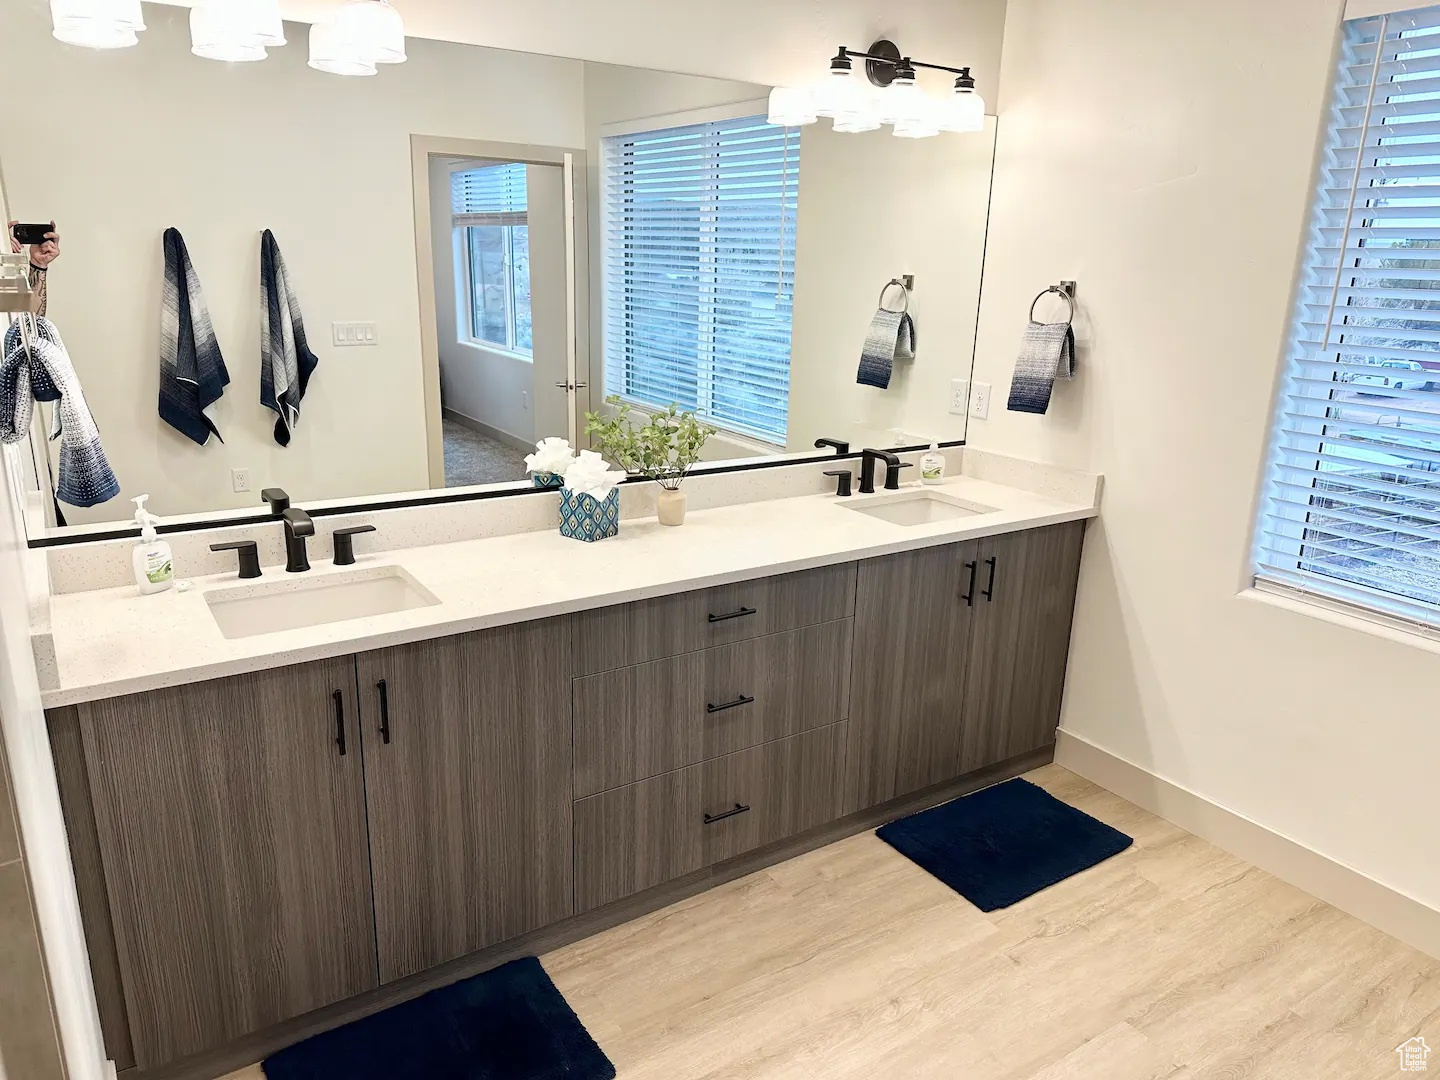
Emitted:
<point x="999" y="845"/>
<point x="507" y="1024"/>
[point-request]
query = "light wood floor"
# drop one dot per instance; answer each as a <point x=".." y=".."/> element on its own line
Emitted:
<point x="1173" y="959"/>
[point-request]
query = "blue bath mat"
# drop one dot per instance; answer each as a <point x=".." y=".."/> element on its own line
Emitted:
<point x="997" y="846"/>
<point x="507" y="1024"/>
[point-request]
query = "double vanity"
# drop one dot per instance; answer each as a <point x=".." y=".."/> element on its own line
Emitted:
<point x="294" y="800"/>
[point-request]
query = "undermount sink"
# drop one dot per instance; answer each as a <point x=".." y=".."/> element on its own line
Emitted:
<point x="918" y="508"/>
<point x="297" y="601"/>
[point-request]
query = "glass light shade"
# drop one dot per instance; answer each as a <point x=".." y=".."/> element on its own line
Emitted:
<point x="964" y="110"/>
<point x="841" y="93"/>
<point x="856" y="122"/>
<point x="235" y="31"/>
<point x="902" y="102"/>
<point x="376" y="28"/>
<point x="97" y="24"/>
<point x="791" y="106"/>
<point x="333" y="52"/>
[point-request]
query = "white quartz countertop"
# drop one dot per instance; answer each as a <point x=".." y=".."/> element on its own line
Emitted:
<point x="116" y="641"/>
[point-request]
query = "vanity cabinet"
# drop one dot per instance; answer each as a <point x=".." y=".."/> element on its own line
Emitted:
<point x="231" y="820"/>
<point x="960" y="656"/>
<point x="468" y="785"/>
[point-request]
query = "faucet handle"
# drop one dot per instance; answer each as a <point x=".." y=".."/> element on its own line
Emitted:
<point x="277" y="498"/>
<point x="842" y="483"/>
<point x="344" y="542"/>
<point x="892" y="474"/>
<point x="249" y="556"/>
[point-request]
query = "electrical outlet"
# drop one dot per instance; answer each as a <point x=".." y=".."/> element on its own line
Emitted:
<point x="240" y="479"/>
<point x="959" y="396"/>
<point x="353" y="333"/>
<point x="980" y="401"/>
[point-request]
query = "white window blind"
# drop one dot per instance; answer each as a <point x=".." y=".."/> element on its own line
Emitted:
<point x="700" y="270"/>
<point x="489" y="195"/>
<point x="1351" y="508"/>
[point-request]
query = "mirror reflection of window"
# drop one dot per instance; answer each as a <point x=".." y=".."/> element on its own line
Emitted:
<point x="490" y="219"/>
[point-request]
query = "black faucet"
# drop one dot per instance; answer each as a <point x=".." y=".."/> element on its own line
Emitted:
<point x="297" y="527"/>
<point x="868" y="458"/>
<point x="841" y="448"/>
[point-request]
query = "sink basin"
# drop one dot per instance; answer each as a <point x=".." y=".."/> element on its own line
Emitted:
<point x="918" y="508"/>
<point x="247" y="610"/>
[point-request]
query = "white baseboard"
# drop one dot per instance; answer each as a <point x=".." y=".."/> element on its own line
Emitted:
<point x="1385" y="908"/>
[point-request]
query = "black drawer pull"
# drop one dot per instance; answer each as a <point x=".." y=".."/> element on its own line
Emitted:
<point x="989" y="592"/>
<point x="743" y="699"/>
<point x="340" y="721"/>
<point x="384" y="711"/>
<point x="732" y="615"/>
<point x="710" y="819"/>
<point x="969" y="596"/>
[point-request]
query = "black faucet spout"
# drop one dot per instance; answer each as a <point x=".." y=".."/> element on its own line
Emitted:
<point x="298" y="525"/>
<point x="868" y="457"/>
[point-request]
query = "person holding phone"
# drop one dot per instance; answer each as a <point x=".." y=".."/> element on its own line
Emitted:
<point x="42" y="254"/>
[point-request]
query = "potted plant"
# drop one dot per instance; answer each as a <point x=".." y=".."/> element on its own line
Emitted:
<point x="664" y="448"/>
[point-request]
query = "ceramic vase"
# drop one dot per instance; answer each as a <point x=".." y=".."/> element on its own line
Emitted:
<point x="671" y="506"/>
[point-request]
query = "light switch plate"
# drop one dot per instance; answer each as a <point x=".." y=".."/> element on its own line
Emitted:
<point x="959" y="396"/>
<point x="240" y="479"/>
<point x="353" y="333"/>
<point x="980" y="401"/>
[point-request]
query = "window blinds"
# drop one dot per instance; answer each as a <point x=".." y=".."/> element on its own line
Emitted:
<point x="489" y="195"/>
<point x="700" y="270"/>
<point x="1351" y="508"/>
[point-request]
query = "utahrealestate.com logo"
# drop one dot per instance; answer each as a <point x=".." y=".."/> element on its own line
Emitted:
<point x="1413" y="1053"/>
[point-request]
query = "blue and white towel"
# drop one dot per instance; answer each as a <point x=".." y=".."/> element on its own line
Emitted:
<point x="42" y="371"/>
<point x="286" y="362"/>
<point x="891" y="337"/>
<point x="1047" y="353"/>
<point x="192" y="371"/>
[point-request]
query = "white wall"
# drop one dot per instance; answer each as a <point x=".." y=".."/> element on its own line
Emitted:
<point x="222" y="152"/>
<point x="1161" y="155"/>
<point x="874" y="207"/>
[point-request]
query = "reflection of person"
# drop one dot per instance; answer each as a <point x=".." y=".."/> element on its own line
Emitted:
<point x="41" y="256"/>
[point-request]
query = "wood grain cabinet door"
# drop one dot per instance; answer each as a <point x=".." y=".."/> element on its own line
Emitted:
<point x="232" y="831"/>
<point x="468" y="782"/>
<point x="912" y="629"/>
<point x="1020" y="642"/>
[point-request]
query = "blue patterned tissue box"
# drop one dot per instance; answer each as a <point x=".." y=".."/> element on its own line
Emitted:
<point x="547" y="479"/>
<point x="584" y="517"/>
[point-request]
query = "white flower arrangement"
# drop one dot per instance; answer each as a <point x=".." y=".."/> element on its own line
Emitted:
<point x="590" y="475"/>
<point x="552" y="457"/>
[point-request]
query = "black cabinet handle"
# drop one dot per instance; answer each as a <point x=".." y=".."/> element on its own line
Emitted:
<point x="384" y="711"/>
<point x="732" y="615"/>
<point x="743" y="699"/>
<point x="710" y="819"/>
<point x="969" y="596"/>
<point x="989" y="592"/>
<point x="340" y="721"/>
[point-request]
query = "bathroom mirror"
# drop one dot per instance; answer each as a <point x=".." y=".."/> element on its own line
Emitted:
<point x="482" y="245"/>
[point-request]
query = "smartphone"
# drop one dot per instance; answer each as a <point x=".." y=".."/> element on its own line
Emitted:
<point x="32" y="234"/>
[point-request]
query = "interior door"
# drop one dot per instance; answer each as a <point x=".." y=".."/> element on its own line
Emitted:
<point x="913" y="615"/>
<point x="551" y="285"/>
<point x="468" y="783"/>
<point x="1020" y="642"/>
<point x="231" y="817"/>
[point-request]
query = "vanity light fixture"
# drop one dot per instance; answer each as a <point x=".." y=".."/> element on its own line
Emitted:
<point x="364" y="33"/>
<point x="332" y="52"/>
<point x="897" y="98"/>
<point x="237" y="31"/>
<point x="97" y="24"/>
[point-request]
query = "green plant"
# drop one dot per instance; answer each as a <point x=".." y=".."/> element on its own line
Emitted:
<point x="664" y="448"/>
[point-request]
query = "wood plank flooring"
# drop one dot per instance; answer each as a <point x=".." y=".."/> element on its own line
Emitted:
<point x="1173" y="960"/>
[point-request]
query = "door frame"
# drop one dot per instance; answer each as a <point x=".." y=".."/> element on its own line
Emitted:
<point x="570" y="159"/>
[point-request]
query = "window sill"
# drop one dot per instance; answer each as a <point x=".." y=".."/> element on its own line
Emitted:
<point x="1350" y="619"/>
<point x="496" y="350"/>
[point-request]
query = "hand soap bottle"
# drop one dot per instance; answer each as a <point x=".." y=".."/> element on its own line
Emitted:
<point x="153" y="560"/>
<point x="932" y="465"/>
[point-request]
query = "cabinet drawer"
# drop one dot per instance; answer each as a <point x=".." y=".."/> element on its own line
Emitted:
<point x="626" y="634"/>
<point x="631" y="838"/>
<point x="641" y="721"/>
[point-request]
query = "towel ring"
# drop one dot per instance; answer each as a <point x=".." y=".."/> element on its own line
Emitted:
<point x="895" y="283"/>
<point x="1058" y="291"/>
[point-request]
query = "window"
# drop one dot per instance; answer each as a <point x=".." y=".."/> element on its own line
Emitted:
<point x="700" y="270"/>
<point x="1351" y="508"/>
<point x="493" y="241"/>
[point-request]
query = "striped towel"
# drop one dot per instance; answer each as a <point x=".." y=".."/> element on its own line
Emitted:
<point x="43" y="372"/>
<point x="286" y="362"/>
<point x="891" y="337"/>
<point x="192" y="371"/>
<point x="1047" y="353"/>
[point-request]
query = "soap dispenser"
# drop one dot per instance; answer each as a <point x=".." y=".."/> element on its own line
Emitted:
<point x="153" y="560"/>
<point x="932" y="465"/>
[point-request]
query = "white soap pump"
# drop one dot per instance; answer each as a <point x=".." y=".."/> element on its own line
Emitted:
<point x="153" y="560"/>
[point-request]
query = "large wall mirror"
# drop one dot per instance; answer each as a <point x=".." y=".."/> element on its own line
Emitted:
<point x="482" y="245"/>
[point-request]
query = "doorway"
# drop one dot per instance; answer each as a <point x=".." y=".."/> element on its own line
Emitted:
<point x="503" y="294"/>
